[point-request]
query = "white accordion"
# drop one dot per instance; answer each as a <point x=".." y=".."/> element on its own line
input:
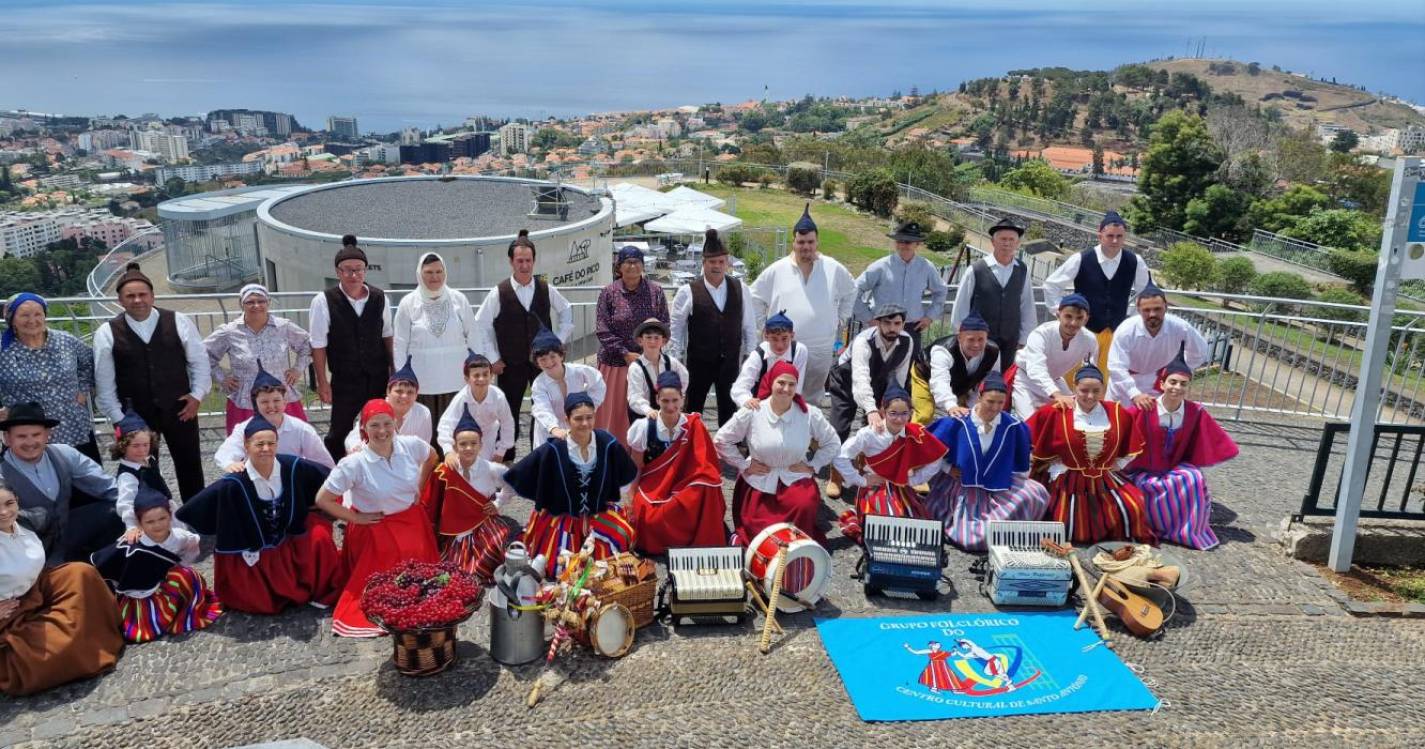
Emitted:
<point x="1021" y="572"/>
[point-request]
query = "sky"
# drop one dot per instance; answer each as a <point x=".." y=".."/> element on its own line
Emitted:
<point x="394" y="64"/>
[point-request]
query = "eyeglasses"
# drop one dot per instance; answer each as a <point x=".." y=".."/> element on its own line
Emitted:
<point x="352" y="271"/>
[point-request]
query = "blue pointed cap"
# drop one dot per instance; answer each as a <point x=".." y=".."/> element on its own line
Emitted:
<point x="1112" y="219"/>
<point x="265" y="379"/>
<point x="778" y="323"/>
<point x="148" y="498"/>
<point x="405" y="374"/>
<point x="1179" y="363"/>
<point x="1075" y="300"/>
<point x="545" y="341"/>
<point x="258" y="423"/>
<point x="973" y="322"/>
<point x="131" y="423"/>
<point x="467" y="423"/>
<point x="804" y="224"/>
<point x="574" y="400"/>
<point x="1151" y="290"/>
<point x="994" y="381"/>
<point x="670" y="379"/>
<point x="1088" y="371"/>
<point x="894" y="392"/>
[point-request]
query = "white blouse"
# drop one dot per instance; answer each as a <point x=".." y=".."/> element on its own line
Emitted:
<point x="128" y="486"/>
<point x="638" y="432"/>
<point x="867" y="441"/>
<point x="487" y="478"/>
<point x="294" y="437"/>
<point x="22" y="556"/>
<point x="377" y="484"/>
<point x="639" y="399"/>
<point x="744" y="388"/>
<point x="546" y="398"/>
<point x="497" y="423"/>
<point x="416" y="424"/>
<point x="1171" y="419"/>
<point x="778" y="442"/>
<point x="435" y="345"/>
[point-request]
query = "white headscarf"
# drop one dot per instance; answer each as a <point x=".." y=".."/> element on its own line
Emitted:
<point x="436" y="305"/>
<point x="426" y="292"/>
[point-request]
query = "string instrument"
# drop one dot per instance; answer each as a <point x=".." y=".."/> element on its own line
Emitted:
<point x="1140" y="615"/>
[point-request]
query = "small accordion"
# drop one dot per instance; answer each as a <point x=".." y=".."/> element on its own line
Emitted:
<point x="1021" y="572"/>
<point x="905" y="554"/>
<point x="706" y="585"/>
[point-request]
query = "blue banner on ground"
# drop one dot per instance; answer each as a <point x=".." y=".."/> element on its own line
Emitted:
<point x="977" y="665"/>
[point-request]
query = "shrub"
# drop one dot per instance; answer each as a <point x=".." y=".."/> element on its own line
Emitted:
<point x="945" y="241"/>
<point x="875" y="191"/>
<point x="1187" y="265"/>
<point x="917" y="212"/>
<point x="1282" y="285"/>
<point x="1338" y="295"/>
<point x="736" y="174"/>
<point x="828" y="190"/>
<point x="1235" y="275"/>
<point x="1356" y="266"/>
<point x="803" y="181"/>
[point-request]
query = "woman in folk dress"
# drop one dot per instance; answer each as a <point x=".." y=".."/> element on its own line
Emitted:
<point x="898" y="456"/>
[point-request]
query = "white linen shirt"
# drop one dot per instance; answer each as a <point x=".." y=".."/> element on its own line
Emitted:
<point x="294" y="437"/>
<point x="638" y="432"/>
<point x="497" y="423"/>
<point x="744" y="388"/>
<point x="869" y="442"/>
<point x="107" y="388"/>
<point x="682" y="309"/>
<point x="22" y="556"/>
<point x="639" y="399"/>
<point x="1171" y="419"/>
<point x="546" y="399"/>
<point x="320" y="319"/>
<point x="809" y="300"/>
<point x="416" y="424"/>
<point x="941" y="388"/>
<point x="376" y="484"/>
<point x="560" y="313"/>
<point x="778" y="442"/>
<point x="268" y="488"/>
<point x="1044" y="361"/>
<point x="436" y="359"/>
<point x="1028" y="315"/>
<point x="488" y="478"/>
<point x="1061" y="281"/>
<point x="1135" y="356"/>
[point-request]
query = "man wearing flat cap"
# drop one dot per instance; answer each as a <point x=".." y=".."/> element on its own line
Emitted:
<point x="352" y="337"/>
<point x="999" y="290"/>
<point x="1109" y="276"/>
<point x="153" y="360"/>
<point x="65" y="497"/>
<point x="877" y="356"/>
<point x="905" y="278"/>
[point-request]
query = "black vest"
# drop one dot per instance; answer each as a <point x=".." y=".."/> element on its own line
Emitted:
<point x="656" y="446"/>
<point x="153" y="374"/>
<point x="882" y="367"/>
<point x="148" y="476"/>
<point x="354" y="344"/>
<point x="714" y="335"/>
<point x="999" y="305"/>
<point x="1108" y="298"/>
<point x="962" y="381"/>
<point x="762" y="369"/>
<point x="639" y="369"/>
<point x="516" y="326"/>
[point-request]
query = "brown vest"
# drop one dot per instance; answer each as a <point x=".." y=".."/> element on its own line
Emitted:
<point x="515" y="326"/>
<point x="354" y="344"/>
<point x="153" y="374"/>
<point x="714" y="335"/>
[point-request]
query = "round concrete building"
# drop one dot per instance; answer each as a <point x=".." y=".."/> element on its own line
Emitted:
<point x="469" y="220"/>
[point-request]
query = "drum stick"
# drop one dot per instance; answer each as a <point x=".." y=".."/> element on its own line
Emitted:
<point x="772" y="597"/>
<point x="760" y="604"/>
<point x="1096" y="590"/>
<point x="1091" y="603"/>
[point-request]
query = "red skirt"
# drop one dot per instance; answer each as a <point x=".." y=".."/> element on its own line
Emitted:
<point x="481" y="550"/>
<point x="754" y="510"/>
<point x="549" y="534"/>
<point x="1108" y="507"/>
<point x="612" y="414"/>
<point x="892" y="500"/>
<point x="183" y="603"/>
<point x="300" y="570"/>
<point x="375" y="548"/>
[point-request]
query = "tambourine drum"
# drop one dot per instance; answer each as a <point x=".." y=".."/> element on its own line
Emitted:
<point x="808" y="565"/>
<point x="611" y="631"/>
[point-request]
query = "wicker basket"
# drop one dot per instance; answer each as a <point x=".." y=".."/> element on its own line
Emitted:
<point x="637" y="597"/>
<point x="423" y="652"/>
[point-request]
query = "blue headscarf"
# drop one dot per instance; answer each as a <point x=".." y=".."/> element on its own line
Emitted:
<point x="7" y="338"/>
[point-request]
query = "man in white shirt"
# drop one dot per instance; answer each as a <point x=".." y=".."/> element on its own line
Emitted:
<point x="1108" y="276"/>
<point x="1054" y="349"/>
<point x="351" y="336"/>
<point x="511" y="315"/>
<point x="878" y="356"/>
<point x="714" y="325"/>
<point x="1144" y="344"/>
<point x="1000" y="290"/>
<point x="154" y="359"/>
<point x="816" y="293"/>
<point x="959" y="365"/>
<point x="487" y="407"/>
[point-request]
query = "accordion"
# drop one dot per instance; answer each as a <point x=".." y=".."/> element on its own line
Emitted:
<point x="905" y="554"/>
<point x="707" y="585"/>
<point x="1021" y="572"/>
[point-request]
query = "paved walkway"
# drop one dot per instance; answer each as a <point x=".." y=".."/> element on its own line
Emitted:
<point x="1262" y="654"/>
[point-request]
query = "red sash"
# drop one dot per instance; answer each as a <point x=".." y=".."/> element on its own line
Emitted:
<point x="453" y="505"/>
<point x="913" y="449"/>
<point x="691" y="459"/>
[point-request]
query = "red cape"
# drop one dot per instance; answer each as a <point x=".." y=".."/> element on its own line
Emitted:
<point x="453" y="505"/>
<point x="916" y="448"/>
<point x="1199" y="441"/>
<point x="678" y="499"/>
<point x="1053" y="434"/>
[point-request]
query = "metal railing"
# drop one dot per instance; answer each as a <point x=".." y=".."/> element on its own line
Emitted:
<point x="112" y="264"/>
<point x="1294" y="251"/>
<point x="1394" y="448"/>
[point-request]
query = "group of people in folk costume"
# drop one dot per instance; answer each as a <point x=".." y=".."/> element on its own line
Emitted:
<point x="418" y="460"/>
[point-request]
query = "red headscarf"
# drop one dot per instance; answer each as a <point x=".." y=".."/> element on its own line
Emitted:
<point x="764" y="388"/>
<point x="373" y="408"/>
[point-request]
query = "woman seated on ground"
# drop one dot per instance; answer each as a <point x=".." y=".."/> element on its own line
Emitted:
<point x="159" y="593"/>
<point x="57" y="624"/>
<point x="271" y="551"/>
<point x="1180" y="438"/>
<point x="576" y="484"/>
<point x="412" y="419"/>
<point x="986" y="476"/>
<point x="898" y="456"/>
<point x="294" y="435"/>
<point x="678" y="499"/>
<point x="1085" y="446"/>
<point x="461" y="498"/>
<point x="385" y="525"/>
<point x="776" y="482"/>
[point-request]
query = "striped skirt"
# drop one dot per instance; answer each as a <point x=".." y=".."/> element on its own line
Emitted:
<point x="549" y="534"/>
<point x="1179" y="505"/>
<point x="481" y="550"/>
<point x="967" y="511"/>
<point x="889" y="500"/>
<point x="182" y="603"/>
<point x="1106" y="508"/>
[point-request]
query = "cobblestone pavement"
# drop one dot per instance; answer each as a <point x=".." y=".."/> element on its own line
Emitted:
<point x="1261" y="654"/>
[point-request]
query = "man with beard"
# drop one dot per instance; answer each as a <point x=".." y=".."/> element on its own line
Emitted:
<point x="1144" y="344"/>
<point x="877" y="356"/>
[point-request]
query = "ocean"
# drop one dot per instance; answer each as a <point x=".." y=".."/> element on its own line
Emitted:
<point x="397" y="64"/>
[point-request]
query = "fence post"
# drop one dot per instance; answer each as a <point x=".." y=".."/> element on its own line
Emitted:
<point x="1247" y="377"/>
